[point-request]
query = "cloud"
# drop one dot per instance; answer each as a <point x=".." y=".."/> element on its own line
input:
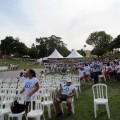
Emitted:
<point x="72" y="20"/>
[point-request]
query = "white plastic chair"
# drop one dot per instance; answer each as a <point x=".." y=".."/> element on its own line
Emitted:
<point x="4" y="111"/>
<point x="47" y="101"/>
<point x="14" y="115"/>
<point x="72" y="105"/>
<point x="8" y="99"/>
<point x="38" y="111"/>
<point x="17" y="115"/>
<point x="102" y="76"/>
<point x="76" y="82"/>
<point x="100" y="97"/>
<point x="3" y="93"/>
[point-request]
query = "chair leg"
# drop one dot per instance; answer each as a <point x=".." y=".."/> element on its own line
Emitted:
<point x="49" y="111"/>
<point x="73" y="111"/>
<point x="104" y="78"/>
<point x="26" y="118"/>
<point x="38" y="118"/>
<point x="2" y="117"/>
<point x="97" y="107"/>
<point x="107" y="109"/>
<point x="76" y="93"/>
<point x="62" y="107"/>
<point x="79" y="89"/>
<point x="20" y="118"/>
<point x="95" y="112"/>
<point x="99" y="79"/>
<point x="43" y="116"/>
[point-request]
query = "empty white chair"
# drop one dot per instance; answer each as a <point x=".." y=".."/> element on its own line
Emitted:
<point x="4" y="111"/>
<point x="100" y="97"/>
<point x="76" y="82"/>
<point x="38" y="111"/>
<point x="102" y="76"/>
<point x="47" y="101"/>
<point x="8" y="99"/>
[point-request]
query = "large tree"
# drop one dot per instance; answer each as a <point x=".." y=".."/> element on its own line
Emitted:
<point x="82" y="52"/>
<point x="11" y="45"/>
<point x="46" y="46"/>
<point x="115" y="44"/>
<point x="99" y="41"/>
<point x="33" y="52"/>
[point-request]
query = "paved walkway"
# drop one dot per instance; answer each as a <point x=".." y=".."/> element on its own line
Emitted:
<point x="14" y="74"/>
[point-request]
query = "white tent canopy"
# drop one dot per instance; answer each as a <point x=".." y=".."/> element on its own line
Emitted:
<point x="74" y="54"/>
<point x="55" y="54"/>
<point x="45" y="58"/>
<point x="39" y="60"/>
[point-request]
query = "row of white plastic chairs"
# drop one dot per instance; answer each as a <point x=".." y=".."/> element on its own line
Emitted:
<point x="45" y="93"/>
<point x="99" y="93"/>
<point x="47" y="85"/>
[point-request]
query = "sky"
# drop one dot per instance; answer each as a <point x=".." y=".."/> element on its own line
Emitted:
<point x="72" y="20"/>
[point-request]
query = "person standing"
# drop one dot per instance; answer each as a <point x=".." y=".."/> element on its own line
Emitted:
<point x="20" y="77"/>
<point x="96" y="70"/>
<point x="31" y="86"/>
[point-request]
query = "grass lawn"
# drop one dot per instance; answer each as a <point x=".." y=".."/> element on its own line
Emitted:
<point x="22" y="64"/>
<point x="84" y="105"/>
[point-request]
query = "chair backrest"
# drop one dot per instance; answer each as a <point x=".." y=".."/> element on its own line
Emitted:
<point x="37" y="98"/>
<point x="20" y="98"/>
<point x="100" y="91"/>
<point x="46" y="94"/>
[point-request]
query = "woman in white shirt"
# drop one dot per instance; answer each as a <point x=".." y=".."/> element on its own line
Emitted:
<point x="31" y="86"/>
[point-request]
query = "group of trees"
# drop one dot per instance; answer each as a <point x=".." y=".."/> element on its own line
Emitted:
<point x="11" y="46"/>
<point x="101" y="42"/>
<point x="45" y="46"/>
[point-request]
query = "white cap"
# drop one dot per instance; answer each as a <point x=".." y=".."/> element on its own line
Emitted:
<point x="68" y="79"/>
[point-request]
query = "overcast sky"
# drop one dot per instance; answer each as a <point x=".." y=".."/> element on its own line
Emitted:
<point x="72" y="20"/>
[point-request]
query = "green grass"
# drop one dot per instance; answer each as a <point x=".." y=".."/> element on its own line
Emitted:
<point x="84" y="105"/>
<point x="22" y="64"/>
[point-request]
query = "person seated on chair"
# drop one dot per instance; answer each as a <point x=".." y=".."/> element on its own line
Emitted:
<point x="65" y="93"/>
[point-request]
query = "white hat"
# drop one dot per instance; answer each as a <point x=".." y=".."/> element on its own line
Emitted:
<point x="68" y="79"/>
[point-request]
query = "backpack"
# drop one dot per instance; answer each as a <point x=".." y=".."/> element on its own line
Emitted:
<point x="17" y="108"/>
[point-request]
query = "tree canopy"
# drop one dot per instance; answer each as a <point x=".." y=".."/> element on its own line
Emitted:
<point x="114" y="44"/>
<point x="99" y="41"/>
<point x="11" y="45"/>
<point x="46" y="46"/>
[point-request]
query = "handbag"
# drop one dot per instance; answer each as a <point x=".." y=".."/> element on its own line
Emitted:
<point x="17" y="108"/>
<point x="63" y="97"/>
